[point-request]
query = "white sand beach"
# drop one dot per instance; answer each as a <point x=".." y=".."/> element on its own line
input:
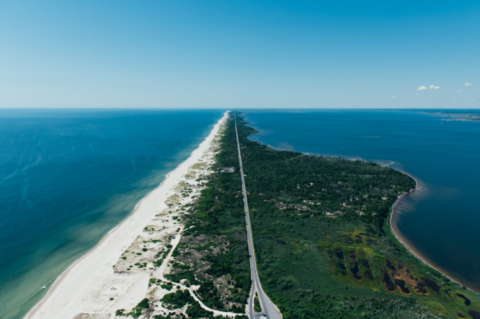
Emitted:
<point x="117" y="273"/>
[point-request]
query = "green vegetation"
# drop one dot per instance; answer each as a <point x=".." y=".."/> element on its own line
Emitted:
<point x="177" y="299"/>
<point x="213" y="250"/>
<point x="181" y="298"/>
<point x="323" y="244"/>
<point x="193" y="315"/>
<point x="120" y="313"/>
<point x="158" y="262"/>
<point x="136" y="311"/>
<point x="168" y="286"/>
<point x="199" y="165"/>
<point x="256" y="304"/>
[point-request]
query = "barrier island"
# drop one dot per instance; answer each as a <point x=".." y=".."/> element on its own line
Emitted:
<point x="323" y="244"/>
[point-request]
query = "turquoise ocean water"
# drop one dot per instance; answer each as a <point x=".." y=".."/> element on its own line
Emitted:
<point x="442" y="220"/>
<point x="69" y="177"/>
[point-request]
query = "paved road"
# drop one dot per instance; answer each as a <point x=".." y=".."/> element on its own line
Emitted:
<point x="269" y="310"/>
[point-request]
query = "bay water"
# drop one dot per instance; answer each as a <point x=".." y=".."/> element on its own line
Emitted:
<point x="441" y="220"/>
<point x="67" y="177"/>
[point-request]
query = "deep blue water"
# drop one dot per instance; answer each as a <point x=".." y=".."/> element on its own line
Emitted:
<point x="442" y="221"/>
<point x="68" y="177"/>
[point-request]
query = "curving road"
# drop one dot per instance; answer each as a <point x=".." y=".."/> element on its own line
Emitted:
<point x="269" y="310"/>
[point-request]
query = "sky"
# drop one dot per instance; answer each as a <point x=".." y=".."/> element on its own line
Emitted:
<point x="239" y="54"/>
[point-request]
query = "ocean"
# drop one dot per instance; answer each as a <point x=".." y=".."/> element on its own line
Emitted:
<point x="441" y="220"/>
<point x="67" y="177"/>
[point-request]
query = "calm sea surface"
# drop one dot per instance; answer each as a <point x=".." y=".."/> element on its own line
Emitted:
<point x="69" y="177"/>
<point x="442" y="220"/>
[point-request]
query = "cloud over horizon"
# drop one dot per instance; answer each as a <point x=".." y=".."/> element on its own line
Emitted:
<point x="468" y="84"/>
<point x="432" y="87"/>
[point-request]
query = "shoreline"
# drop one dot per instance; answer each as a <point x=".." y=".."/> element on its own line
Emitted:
<point x="397" y="234"/>
<point x="100" y="259"/>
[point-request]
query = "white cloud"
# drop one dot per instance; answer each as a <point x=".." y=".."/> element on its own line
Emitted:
<point x="422" y="88"/>
<point x="393" y="96"/>
<point x="458" y="91"/>
<point x="468" y="84"/>
<point x="433" y="87"/>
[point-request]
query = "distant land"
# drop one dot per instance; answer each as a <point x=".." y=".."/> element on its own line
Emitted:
<point x="467" y="116"/>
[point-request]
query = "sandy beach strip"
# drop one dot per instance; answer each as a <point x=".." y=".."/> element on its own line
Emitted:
<point x="84" y="287"/>
<point x="404" y="241"/>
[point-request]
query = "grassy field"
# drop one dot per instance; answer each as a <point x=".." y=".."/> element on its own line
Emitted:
<point x="323" y="245"/>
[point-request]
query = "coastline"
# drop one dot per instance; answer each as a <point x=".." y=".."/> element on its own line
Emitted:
<point x="402" y="240"/>
<point x="84" y="274"/>
<point x="393" y="227"/>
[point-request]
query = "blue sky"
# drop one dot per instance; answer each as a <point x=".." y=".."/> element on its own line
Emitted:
<point x="228" y="54"/>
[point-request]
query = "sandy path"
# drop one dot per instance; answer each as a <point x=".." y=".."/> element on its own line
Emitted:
<point x="161" y="270"/>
